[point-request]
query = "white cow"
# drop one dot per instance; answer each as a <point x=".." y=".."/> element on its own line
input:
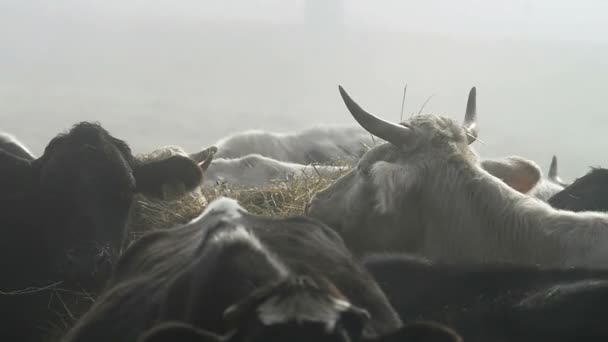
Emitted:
<point x="257" y="171"/>
<point x="551" y="185"/>
<point x="546" y="187"/>
<point x="425" y="192"/>
<point x="315" y="145"/>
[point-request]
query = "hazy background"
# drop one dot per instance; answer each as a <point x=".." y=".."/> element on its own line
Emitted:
<point x="189" y="72"/>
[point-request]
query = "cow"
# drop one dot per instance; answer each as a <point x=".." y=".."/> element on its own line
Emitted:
<point x="182" y="332"/>
<point x="587" y="193"/>
<point x="323" y="145"/>
<point x="63" y="219"/>
<point x="551" y="185"/>
<point x="545" y="187"/>
<point x="257" y="171"/>
<point x="424" y="192"/>
<point x="497" y="302"/>
<point x="176" y="206"/>
<point x="195" y="273"/>
<point x="11" y="145"/>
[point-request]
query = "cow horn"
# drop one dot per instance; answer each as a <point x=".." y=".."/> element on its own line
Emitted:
<point x="553" y="169"/>
<point x="470" y="116"/>
<point x="397" y="135"/>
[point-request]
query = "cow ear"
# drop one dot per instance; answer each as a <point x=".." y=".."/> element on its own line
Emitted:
<point x="205" y="163"/>
<point x="421" y="332"/>
<point x="177" y="332"/>
<point x="201" y="156"/>
<point x="520" y="174"/>
<point x="153" y="178"/>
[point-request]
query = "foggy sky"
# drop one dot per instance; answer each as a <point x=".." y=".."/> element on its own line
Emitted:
<point x="189" y="72"/>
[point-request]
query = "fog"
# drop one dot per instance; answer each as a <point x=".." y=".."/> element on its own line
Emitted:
<point x="161" y="72"/>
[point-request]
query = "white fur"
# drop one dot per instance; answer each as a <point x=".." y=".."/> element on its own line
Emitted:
<point x="551" y="185"/>
<point x="227" y="206"/>
<point x="464" y="213"/>
<point x="303" y="307"/>
<point x="239" y="233"/>
<point x="546" y="189"/>
<point x="479" y="218"/>
<point x="325" y="143"/>
<point x="255" y="170"/>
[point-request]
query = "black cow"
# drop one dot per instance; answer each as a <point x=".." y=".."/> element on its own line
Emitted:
<point x="180" y="332"/>
<point x="10" y="144"/>
<point x="230" y="270"/>
<point x="64" y="217"/>
<point x="587" y="193"/>
<point x="505" y="303"/>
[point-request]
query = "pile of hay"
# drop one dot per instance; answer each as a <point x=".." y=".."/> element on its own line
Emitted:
<point x="282" y="199"/>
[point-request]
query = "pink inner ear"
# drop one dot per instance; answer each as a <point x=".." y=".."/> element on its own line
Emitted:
<point x="521" y="184"/>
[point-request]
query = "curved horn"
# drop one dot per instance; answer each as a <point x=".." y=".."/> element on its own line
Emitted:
<point x="397" y="135"/>
<point x="470" y="116"/>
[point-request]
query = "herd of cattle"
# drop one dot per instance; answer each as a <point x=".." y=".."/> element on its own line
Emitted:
<point x="418" y="240"/>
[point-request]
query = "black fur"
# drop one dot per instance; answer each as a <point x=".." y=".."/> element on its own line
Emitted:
<point x="64" y="217"/>
<point x="505" y="303"/>
<point x="587" y="193"/>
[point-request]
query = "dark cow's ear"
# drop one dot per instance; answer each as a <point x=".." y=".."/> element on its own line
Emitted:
<point x="201" y="156"/>
<point x="421" y="332"/>
<point x="519" y="173"/>
<point x="208" y="159"/>
<point x="177" y="332"/>
<point x="176" y="172"/>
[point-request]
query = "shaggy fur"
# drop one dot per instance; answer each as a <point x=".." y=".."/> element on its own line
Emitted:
<point x="433" y="198"/>
<point x="315" y="145"/>
<point x="257" y="171"/>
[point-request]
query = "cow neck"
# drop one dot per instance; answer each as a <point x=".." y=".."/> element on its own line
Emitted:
<point x="486" y="218"/>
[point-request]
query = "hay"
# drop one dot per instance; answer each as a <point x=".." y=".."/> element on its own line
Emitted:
<point x="281" y="199"/>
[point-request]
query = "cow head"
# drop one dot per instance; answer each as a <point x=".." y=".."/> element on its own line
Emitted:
<point x="371" y="204"/>
<point x="587" y="193"/>
<point x="292" y="310"/>
<point x="414" y="332"/>
<point x="85" y="182"/>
